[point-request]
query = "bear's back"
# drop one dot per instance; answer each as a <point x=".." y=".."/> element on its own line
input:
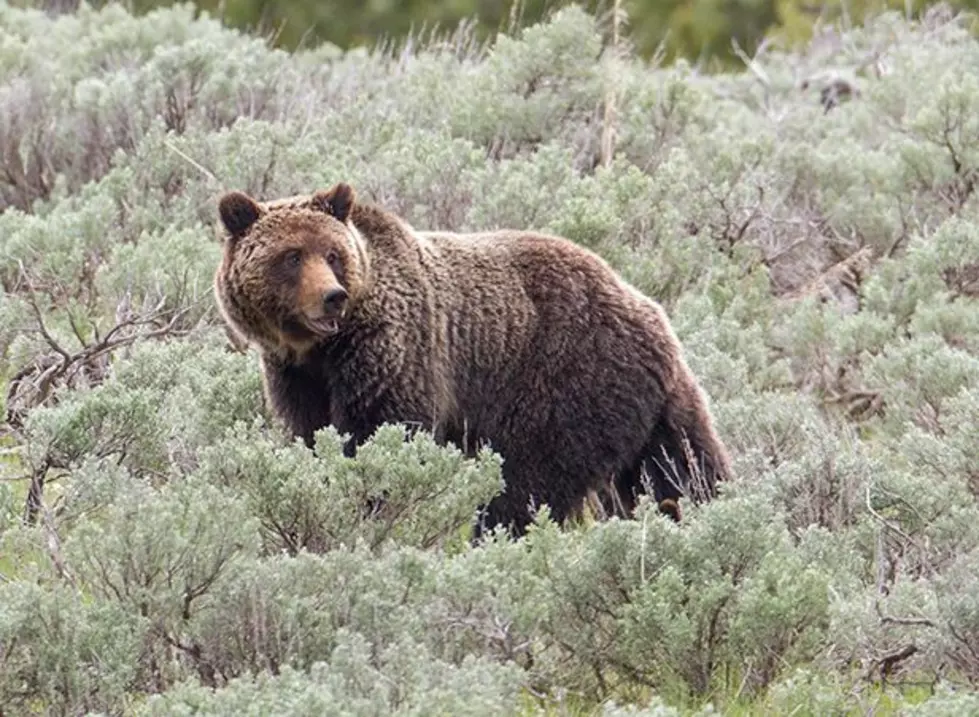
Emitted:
<point x="510" y="297"/>
<point x="551" y="272"/>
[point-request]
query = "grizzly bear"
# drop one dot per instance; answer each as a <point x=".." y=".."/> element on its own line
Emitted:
<point x="524" y="341"/>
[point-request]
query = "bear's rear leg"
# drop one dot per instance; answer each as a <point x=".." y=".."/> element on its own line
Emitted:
<point x="516" y="511"/>
<point x="631" y="482"/>
<point x="686" y="451"/>
<point x="684" y="457"/>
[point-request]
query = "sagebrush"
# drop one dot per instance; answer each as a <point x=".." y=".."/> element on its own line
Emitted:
<point x="165" y="549"/>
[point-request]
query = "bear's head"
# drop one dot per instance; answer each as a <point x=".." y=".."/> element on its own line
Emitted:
<point x="291" y="274"/>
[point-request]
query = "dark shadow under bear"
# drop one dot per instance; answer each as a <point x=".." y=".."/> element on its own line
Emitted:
<point x="526" y="342"/>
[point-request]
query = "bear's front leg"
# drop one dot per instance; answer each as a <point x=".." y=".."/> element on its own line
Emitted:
<point x="297" y="395"/>
<point x="349" y="423"/>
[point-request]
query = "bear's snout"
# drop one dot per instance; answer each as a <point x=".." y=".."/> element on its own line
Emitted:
<point x="334" y="301"/>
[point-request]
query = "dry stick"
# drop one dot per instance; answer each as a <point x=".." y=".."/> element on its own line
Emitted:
<point x="608" y="120"/>
<point x="752" y="62"/>
<point x="219" y="185"/>
<point x="53" y="544"/>
<point x="795" y="244"/>
<point x="642" y="551"/>
<point x="893" y="528"/>
<point x="754" y="66"/>
<point x="42" y="327"/>
<point x="516" y="15"/>
<point x="203" y="170"/>
<point x="71" y="363"/>
<point x="890" y="619"/>
<point x="888" y="662"/>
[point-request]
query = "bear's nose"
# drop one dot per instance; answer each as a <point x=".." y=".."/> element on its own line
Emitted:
<point x="333" y="301"/>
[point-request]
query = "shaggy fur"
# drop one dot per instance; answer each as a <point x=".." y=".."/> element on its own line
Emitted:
<point x="528" y="342"/>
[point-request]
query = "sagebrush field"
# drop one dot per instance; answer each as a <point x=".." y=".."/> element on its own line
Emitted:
<point x="164" y="549"/>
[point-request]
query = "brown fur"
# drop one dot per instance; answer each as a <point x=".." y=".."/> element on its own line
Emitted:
<point x="527" y="342"/>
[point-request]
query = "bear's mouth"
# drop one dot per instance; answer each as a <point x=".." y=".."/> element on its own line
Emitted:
<point x="325" y="327"/>
<point x="305" y="328"/>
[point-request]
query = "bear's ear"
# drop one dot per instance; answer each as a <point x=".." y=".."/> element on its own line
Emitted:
<point x="238" y="212"/>
<point x="336" y="202"/>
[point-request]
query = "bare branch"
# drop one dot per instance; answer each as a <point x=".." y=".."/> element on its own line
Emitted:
<point x="891" y="620"/>
<point x="42" y="327"/>
<point x="34" y="383"/>
<point x="891" y="660"/>
<point x="52" y="542"/>
<point x="887" y="524"/>
<point x="752" y="63"/>
<point x="203" y="170"/>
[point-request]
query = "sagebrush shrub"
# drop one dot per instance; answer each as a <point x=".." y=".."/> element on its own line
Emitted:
<point x="164" y="549"/>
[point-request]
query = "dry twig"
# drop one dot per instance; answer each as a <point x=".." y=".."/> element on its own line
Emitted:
<point x="34" y="384"/>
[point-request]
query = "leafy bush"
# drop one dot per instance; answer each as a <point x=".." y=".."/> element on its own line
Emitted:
<point x="165" y="549"/>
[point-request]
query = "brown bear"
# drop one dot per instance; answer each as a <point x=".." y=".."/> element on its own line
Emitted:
<point x="527" y="342"/>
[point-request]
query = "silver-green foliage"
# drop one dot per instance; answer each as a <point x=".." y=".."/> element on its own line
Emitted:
<point x="186" y="556"/>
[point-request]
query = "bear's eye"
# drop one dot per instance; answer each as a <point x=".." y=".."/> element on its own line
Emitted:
<point x="332" y="258"/>
<point x="293" y="258"/>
